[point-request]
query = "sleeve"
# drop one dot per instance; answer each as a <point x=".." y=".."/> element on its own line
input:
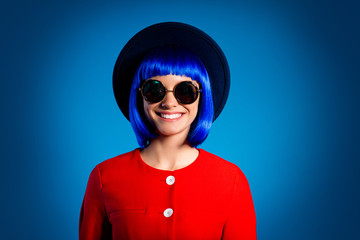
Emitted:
<point x="241" y="222"/>
<point x="94" y="223"/>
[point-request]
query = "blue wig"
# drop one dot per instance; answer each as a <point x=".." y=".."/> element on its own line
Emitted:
<point x="177" y="61"/>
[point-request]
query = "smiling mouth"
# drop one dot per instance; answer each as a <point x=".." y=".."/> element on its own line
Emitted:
<point x="170" y="116"/>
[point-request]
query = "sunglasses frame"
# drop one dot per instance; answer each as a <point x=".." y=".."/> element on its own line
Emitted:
<point x="198" y="90"/>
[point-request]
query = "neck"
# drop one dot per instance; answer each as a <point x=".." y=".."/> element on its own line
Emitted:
<point x="169" y="153"/>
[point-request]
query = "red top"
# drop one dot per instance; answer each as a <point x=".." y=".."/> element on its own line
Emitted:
<point x="127" y="199"/>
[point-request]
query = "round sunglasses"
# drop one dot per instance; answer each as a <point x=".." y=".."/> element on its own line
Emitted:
<point x="153" y="91"/>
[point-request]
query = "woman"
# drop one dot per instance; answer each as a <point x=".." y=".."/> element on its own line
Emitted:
<point x="171" y="81"/>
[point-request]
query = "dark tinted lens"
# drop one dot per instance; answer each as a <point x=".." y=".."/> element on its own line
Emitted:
<point x="186" y="92"/>
<point x="153" y="91"/>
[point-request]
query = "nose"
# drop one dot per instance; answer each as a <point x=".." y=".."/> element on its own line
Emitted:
<point x="169" y="100"/>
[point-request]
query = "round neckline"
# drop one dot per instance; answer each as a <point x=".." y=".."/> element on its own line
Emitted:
<point x="191" y="165"/>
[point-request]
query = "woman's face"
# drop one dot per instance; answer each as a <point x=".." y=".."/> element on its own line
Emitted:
<point x="168" y="116"/>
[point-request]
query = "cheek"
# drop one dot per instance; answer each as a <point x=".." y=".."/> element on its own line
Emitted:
<point x="194" y="110"/>
<point x="146" y="110"/>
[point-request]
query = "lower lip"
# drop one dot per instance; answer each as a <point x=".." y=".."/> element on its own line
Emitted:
<point x="170" y="119"/>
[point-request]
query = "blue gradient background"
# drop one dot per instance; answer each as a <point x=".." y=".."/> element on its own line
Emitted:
<point x="291" y="121"/>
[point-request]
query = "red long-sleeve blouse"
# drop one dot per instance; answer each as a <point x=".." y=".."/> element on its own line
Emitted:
<point x="127" y="199"/>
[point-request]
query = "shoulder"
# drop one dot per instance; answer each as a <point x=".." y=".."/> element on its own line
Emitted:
<point x="221" y="166"/>
<point x="118" y="163"/>
<point x="216" y="161"/>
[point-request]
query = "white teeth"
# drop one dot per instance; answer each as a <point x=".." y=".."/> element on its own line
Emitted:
<point x="170" y="116"/>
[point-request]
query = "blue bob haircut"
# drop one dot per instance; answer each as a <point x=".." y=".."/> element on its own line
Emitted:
<point x="173" y="60"/>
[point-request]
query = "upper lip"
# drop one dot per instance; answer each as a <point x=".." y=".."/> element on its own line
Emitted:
<point x="169" y="113"/>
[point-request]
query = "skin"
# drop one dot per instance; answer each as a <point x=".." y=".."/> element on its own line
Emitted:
<point x="170" y="150"/>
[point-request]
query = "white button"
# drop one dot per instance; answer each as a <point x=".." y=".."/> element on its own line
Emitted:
<point x="168" y="212"/>
<point x="170" y="180"/>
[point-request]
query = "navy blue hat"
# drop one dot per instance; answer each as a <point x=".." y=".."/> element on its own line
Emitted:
<point x="171" y="33"/>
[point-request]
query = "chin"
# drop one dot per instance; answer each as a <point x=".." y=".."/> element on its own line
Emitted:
<point x="172" y="131"/>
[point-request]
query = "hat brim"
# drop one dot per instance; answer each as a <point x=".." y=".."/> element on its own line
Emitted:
<point x="171" y="33"/>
